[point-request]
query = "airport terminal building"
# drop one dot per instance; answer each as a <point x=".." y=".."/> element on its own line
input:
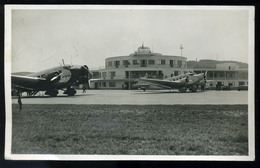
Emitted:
<point x="225" y="75"/>
<point x="122" y="72"/>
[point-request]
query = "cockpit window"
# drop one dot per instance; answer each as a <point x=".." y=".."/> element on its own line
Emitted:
<point x="67" y="67"/>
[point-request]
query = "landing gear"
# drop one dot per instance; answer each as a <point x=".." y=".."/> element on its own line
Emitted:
<point x="183" y="90"/>
<point x="52" y="92"/>
<point x="194" y="89"/>
<point x="202" y="87"/>
<point x="70" y="91"/>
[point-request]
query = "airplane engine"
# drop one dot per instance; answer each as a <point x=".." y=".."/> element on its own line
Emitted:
<point x="85" y="75"/>
<point x="65" y="76"/>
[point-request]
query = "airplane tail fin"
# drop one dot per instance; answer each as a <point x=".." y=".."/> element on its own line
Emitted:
<point x="205" y="76"/>
<point x="146" y="75"/>
<point x="187" y="79"/>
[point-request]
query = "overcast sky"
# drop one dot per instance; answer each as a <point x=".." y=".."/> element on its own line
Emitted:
<point x="42" y="38"/>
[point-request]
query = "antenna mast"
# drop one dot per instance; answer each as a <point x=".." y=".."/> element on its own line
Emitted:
<point x="181" y="47"/>
<point x="76" y="53"/>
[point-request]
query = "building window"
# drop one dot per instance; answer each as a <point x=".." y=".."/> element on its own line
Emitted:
<point x="229" y="74"/>
<point x="112" y="74"/>
<point x="135" y="62"/>
<point x="104" y="84"/>
<point x="184" y="63"/>
<point x="172" y="63"/>
<point x="110" y="64"/>
<point x="240" y="83"/>
<point x="151" y="62"/>
<point x="143" y="63"/>
<point x="104" y="75"/>
<point x="179" y="63"/>
<point x="126" y="63"/>
<point x="163" y="62"/>
<point x="176" y="73"/>
<point x="210" y="74"/>
<point x="112" y="84"/>
<point x="117" y="63"/>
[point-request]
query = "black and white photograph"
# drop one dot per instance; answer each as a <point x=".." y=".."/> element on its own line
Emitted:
<point x="135" y="82"/>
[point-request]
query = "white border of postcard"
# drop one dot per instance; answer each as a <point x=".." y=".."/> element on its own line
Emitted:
<point x="7" y="64"/>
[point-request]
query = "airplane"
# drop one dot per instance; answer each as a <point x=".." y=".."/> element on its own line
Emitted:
<point x="182" y="82"/>
<point x="51" y="80"/>
<point x="141" y="85"/>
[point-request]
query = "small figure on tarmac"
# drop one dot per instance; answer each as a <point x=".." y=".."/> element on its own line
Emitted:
<point x="84" y="89"/>
<point x="20" y="102"/>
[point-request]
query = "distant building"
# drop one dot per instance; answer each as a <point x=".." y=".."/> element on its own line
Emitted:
<point x="225" y="74"/>
<point x="121" y="72"/>
<point x="227" y="66"/>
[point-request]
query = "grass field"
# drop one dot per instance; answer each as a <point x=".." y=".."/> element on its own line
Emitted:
<point x="130" y="129"/>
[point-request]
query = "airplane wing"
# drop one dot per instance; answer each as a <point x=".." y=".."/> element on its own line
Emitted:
<point x="25" y="82"/>
<point x="164" y="83"/>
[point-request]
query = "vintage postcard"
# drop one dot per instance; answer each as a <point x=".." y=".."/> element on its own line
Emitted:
<point x="115" y="82"/>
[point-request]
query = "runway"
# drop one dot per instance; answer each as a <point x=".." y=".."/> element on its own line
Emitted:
<point x="139" y="97"/>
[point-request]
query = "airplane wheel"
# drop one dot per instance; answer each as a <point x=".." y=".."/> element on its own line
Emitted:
<point x="71" y="92"/>
<point x="52" y="93"/>
<point x="194" y="90"/>
<point x="183" y="90"/>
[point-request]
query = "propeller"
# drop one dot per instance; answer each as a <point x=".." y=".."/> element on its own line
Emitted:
<point x="56" y="77"/>
<point x="62" y="76"/>
<point x="187" y="79"/>
<point x="85" y="73"/>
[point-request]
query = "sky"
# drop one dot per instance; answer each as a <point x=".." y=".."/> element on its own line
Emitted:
<point x="41" y="38"/>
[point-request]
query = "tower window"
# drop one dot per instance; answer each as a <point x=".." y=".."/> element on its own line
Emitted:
<point x="172" y="62"/>
<point x="109" y="63"/>
<point x="117" y="63"/>
<point x="151" y="62"/>
<point x="126" y="63"/>
<point x="135" y="62"/>
<point x="179" y="62"/>
<point x="163" y="62"/>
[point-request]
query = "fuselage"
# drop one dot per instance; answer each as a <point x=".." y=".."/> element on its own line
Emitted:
<point x="182" y="82"/>
<point x="60" y="77"/>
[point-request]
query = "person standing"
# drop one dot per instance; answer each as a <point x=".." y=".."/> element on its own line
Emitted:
<point x="20" y="101"/>
<point x="84" y="89"/>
